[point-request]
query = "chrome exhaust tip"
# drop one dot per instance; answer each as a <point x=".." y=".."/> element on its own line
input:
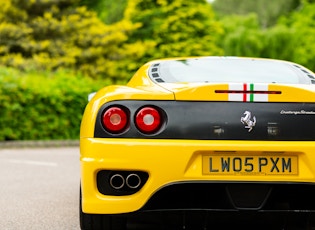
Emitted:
<point x="117" y="181"/>
<point x="120" y="182"/>
<point x="133" y="181"/>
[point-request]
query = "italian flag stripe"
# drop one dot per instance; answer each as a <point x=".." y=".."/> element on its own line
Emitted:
<point x="245" y="94"/>
<point x="251" y="96"/>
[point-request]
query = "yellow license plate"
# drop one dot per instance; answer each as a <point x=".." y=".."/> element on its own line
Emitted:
<point x="249" y="165"/>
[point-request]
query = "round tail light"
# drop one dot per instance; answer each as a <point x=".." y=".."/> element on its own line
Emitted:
<point x="115" y="120"/>
<point x="148" y="120"/>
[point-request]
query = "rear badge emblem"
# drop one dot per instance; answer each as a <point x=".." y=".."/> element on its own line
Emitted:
<point x="246" y="120"/>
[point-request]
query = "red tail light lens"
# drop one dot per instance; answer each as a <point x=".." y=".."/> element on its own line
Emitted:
<point x="148" y="120"/>
<point x="115" y="119"/>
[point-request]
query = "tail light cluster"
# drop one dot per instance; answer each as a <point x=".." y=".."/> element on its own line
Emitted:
<point x="115" y="119"/>
<point x="148" y="119"/>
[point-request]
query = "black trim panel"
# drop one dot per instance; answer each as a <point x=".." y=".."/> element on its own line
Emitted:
<point x="222" y="121"/>
<point x="234" y="196"/>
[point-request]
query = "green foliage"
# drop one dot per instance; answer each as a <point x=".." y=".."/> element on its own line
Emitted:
<point x="280" y="43"/>
<point x="292" y="38"/>
<point x="268" y="11"/>
<point x="174" y="28"/>
<point x="242" y="36"/>
<point x="108" y="11"/>
<point x="53" y="34"/>
<point x="302" y="25"/>
<point x="42" y="105"/>
<point x="42" y="38"/>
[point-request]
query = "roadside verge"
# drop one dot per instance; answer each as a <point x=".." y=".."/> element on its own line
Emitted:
<point x="39" y="144"/>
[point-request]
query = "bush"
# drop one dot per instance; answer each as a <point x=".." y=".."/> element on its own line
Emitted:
<point x="41" y="106"/>
<point x="242" y="36"/>
<point x="174" y="28"/>
<point x="51" y="34"/>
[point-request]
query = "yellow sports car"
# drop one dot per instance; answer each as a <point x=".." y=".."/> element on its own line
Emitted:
<point x="189" y="143"/>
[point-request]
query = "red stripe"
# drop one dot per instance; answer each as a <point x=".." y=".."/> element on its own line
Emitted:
<point x="245" y="89"/>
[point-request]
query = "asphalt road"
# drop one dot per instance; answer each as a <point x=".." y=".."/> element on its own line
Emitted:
<point x="39" y="188"/>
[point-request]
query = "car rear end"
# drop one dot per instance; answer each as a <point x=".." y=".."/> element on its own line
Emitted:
<point x="238" y="149"/>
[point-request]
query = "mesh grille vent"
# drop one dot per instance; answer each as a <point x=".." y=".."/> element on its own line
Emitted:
<point x="154" y="73"/>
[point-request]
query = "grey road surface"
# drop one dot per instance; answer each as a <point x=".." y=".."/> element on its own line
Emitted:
<point x="39" y="188"/>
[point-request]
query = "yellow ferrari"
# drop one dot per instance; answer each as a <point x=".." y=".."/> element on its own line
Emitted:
<point x="189" y="139"/>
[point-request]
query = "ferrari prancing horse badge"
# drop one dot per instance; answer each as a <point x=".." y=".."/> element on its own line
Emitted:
<point x="246" y="120"/>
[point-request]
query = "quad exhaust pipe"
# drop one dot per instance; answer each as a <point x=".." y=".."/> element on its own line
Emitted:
<point x="118" y="181"/>
<point x="133" y="181"/>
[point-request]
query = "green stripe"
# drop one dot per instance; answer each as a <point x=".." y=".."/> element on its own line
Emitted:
<point x="251" y="96"/>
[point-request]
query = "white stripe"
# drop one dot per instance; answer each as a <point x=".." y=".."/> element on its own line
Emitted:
<point x="235" y="96"/>
<point x="236" y="86"/>
<point x="240" y="86"/>
<point x="261" y="87"/>
<point x="261" y="97"/>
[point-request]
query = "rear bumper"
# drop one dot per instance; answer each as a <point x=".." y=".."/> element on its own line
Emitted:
<point x="175" y="162"/>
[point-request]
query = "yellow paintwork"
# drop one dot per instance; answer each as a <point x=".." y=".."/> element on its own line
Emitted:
<point x="169" y="161"/>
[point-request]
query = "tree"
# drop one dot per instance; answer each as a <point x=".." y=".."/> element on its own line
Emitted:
<point x="52" y="34"/>
<point x="302" y="26"/>
<point x="268" y="11"/>
<point x="242" y="36"/>
<point x="279" y="43"/>
<point x="108" y="11"/>
<point x="292" y="38"/>
<point x="174" y="28"/>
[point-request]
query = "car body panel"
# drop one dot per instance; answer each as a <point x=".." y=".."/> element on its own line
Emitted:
<point x="202" y="120"/>
<point x="113" y="93"/>
<point x="169" y="157"/>
<point x="173" y="161"/>
<point x="202" y="92"/>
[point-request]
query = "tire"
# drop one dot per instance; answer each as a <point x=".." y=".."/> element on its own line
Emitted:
<point x="101" y="221"/>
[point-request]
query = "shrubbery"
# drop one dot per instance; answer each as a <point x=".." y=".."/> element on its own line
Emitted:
<point x="41" y="38"/>
<point x="174" y="28"/>
<point x="292" y="38"/>
<point x="42" y="105"/>
<point x="52" y="34"/>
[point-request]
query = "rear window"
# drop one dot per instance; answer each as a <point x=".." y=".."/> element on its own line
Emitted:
<point x="228" y="69"/>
